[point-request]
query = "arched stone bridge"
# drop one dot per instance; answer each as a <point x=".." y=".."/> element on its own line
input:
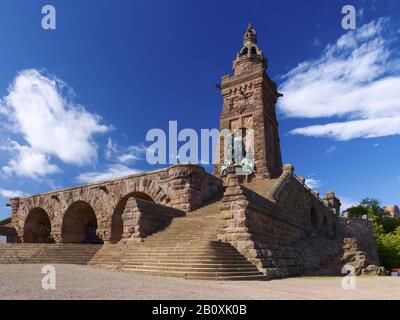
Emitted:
<point x="125" y="208"/>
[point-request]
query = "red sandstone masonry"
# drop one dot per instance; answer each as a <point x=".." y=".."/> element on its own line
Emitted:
<point x="182" y="187"/>
<point x="269" y="231"/>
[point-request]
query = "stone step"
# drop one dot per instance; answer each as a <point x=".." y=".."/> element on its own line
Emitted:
<point x="180" y="254"/>
<point x="181" y="249"/>
<point x="39" y="245"/>
<point x="199" y="274"/>
<point x="46" y="250"/>
<point x="44" y="261"/>
<point x="185" y="270"/>
<point x="189" y="266"/>
<point x="47" y="253"/>
<point x="181" y="259"/>
<point x="187" y="262"/>
<point x="27" y="256"/>
<point x="187" y="247"/>
<point x="174" y="242"/>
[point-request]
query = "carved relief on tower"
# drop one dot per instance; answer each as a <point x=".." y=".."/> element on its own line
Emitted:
<point x="240" y="98"/>
<point x="244" y="67"/>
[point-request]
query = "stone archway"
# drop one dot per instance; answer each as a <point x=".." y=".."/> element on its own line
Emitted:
<point x="117" y="223"/>
<point x="80" y="224"/>
<point x="37" y="227"/>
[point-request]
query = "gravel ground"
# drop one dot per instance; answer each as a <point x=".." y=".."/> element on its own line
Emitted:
<point x="85" y="282"/>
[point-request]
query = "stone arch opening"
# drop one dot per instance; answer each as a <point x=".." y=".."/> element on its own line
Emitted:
<point x="37" y="228"/>
<point x="80" y="224"/>
<point x="314" y="218"/>
<point x="117" y="223"/>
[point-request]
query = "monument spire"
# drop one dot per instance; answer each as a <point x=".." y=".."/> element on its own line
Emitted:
<point x="250" y="36"/>
<point x="249" y="55"/>
<point x="249" y="99"/>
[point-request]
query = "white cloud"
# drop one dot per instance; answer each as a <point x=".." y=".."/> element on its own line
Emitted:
<point x="111" y="148"/>
<point x="124" y="155"/>
<point x="113" y="171"/>
<point x="41" y="111"/>
<point x="29" y="163"/>
<point x="357" y="80"/>
<point x="331" y="150"/>
<point x="127" y="157"/>
<point x="313" y="183"/>
<point x="133" y="153"/>
<point x="10" y="193"/>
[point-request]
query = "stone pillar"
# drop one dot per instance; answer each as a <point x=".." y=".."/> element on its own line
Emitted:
<point x="105" y="235"/>
<point x="232" y="209"/>
<point x="56" y="236"/>
<point x="14" y="204"/>
<point x="289" y="168"/>
<point x="131" y="221"/>
<point x="232" y="179"/>
<point x="184" y="186"/>
<point x="56" y="225"/>
<point x="333" y="202"/>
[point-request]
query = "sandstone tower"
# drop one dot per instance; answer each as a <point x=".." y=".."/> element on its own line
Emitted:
<point x="249" y="99"/>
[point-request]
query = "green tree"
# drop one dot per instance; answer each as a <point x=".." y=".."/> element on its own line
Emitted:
<point x="386" y="230"/>
<point x="390" y="224"/>
<point x="373" y="204"/>
<point x="369" y="207"/>
<point x="357" y="212"/>
<point x="389" y="249"/>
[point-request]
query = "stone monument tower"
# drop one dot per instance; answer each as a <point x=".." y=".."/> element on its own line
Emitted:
<point x="249" y="99"/>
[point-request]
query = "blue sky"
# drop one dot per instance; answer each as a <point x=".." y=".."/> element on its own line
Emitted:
<point x="77" y="102"/>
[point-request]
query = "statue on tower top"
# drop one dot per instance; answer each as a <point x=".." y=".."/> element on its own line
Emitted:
<point x="250" y="37"/>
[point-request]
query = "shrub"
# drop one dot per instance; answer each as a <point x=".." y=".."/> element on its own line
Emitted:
<point x="389" y="249"/>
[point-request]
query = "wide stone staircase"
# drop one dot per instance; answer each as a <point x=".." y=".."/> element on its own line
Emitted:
<point x="187" y="248"/>
<point x="47" y="253"/>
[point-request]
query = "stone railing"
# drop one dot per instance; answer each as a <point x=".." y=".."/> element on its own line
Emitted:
<point x="282" y="180"/>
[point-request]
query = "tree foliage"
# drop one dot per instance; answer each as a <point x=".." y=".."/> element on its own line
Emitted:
<point x="389" y="249"/>
<point x="386" y="230"/>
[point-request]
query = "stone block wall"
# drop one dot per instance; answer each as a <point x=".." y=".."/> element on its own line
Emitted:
<point x="190" y="185"/>
<point x="358" y="237"/>
<point x="290" y="231"/>
<point x="142" y="218"/>
<point x="269" y="232"/>
<point x="298" y="203"/>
